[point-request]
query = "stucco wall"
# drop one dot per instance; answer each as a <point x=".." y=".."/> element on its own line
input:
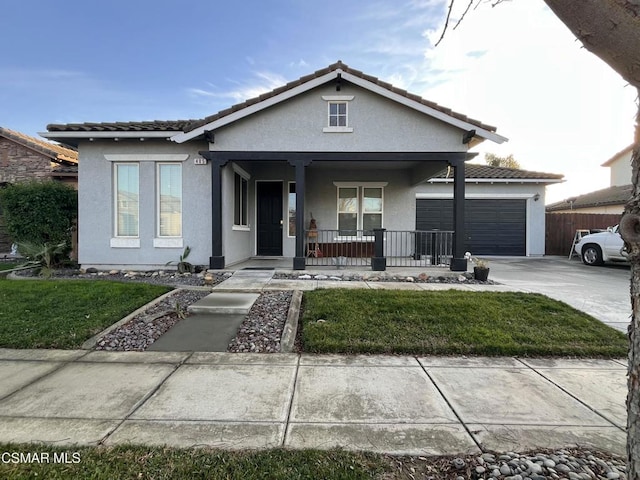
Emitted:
<point x="96" y="205"/>
<point x="621" y="170"/>
<point x="526" y="191"/>
<point x="378" y="124"/>
<point x="608" y="209"/>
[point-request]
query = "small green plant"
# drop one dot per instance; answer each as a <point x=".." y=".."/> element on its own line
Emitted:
<point x="46" y="256"/>
<point x="182" y="264"/>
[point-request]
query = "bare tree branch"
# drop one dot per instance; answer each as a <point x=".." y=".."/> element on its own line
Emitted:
<point x="446" y="23"/>
<point x="471" y="2"/>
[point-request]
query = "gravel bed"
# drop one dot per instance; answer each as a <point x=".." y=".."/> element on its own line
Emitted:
<point x="568" y="464"/>
<point x="160" y="277"/>
<point x="146" y="327"/>
<point x="466" y="277"/>
<point x="262" y="329"/>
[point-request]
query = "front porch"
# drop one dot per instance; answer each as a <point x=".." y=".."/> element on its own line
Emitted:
<point x="360" y="239"/>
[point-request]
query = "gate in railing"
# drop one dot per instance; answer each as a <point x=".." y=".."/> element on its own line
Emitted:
<point x="394" y="248"/>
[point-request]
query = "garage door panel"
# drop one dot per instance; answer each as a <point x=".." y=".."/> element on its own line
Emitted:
<point x="493" y="226"/>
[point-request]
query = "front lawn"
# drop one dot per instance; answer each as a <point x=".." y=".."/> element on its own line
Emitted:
<point x="452" y="322"/>
<point x="63" y="314"/>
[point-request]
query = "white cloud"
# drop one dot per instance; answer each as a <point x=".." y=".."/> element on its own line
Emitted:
<point x="262" y="82"/>
<point x="518" y="67"/>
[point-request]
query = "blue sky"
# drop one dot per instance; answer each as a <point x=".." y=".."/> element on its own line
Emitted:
<point x="514" y="66"/>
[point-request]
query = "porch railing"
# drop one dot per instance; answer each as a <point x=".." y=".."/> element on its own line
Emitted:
<point x="397" y="248"/>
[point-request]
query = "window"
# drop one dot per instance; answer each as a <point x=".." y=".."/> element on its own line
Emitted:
<point x="240" y="197"/>
<point x="292" y="209"/>
<point x="338" y="113"/>
<point x="359" y="208"/>
<point x="127" y="200"/>
<point x="169" y="200"/>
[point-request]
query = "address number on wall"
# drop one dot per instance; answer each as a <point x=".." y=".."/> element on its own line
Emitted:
<point x="199" y="161"/>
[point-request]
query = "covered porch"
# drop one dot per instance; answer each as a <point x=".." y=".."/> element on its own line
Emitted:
<point x="373" y="246"/>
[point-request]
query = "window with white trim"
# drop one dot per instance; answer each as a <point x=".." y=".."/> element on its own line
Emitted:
<point x="169" y="199"/>
<point x="127" y="199"/>
<point x="359" y="208"/>
<point x="337" y="113"/>
<point x="240" y="201"/>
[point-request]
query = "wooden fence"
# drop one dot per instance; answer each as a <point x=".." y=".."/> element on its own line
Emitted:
<point x="561" y="228"/>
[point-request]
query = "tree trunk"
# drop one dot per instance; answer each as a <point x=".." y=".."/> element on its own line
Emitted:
<point x="630" y="231"/>
<point x="611" y="30"/>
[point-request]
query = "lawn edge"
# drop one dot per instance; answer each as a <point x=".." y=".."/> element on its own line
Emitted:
<point x="288" y="338"/>
<point x="90" y="343"/>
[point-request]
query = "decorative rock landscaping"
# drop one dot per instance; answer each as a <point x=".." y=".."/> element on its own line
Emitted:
<point x="465" y="277"/>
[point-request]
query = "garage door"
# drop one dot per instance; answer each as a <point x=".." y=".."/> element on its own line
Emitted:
<point x="493" y="226"/>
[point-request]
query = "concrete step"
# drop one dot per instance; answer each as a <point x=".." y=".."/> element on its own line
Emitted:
<point x="229" y="303"/>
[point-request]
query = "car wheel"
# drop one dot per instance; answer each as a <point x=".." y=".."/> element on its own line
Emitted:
<point x="591" y="255"/>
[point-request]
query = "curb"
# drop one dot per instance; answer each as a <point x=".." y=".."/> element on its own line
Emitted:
<point x="288" y="340"/>
<point x="89" y="344"/>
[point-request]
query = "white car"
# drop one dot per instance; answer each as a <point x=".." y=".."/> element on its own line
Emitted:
<point x="597" y="248"/>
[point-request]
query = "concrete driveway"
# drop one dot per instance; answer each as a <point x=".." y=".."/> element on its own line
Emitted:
<point x="600" y="291"/>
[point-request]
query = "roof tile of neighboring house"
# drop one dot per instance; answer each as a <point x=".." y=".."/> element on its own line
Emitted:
<point x="189" y="125"/>
<point x="57" y="153"/>
<point x="616" y="195"/>
<point x="477" y="171"/>
<point x="148" y="126"/>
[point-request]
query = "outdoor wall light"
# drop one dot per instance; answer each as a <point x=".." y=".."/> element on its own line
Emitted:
<point x="536" y="197"/>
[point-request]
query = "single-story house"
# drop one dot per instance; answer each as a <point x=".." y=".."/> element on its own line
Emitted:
<point x="610" y="200"/>
<point x="24" y="158"/>
<point x="315" y="168"/>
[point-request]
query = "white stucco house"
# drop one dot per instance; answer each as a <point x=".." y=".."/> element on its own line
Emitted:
<point x="359" y="156"/>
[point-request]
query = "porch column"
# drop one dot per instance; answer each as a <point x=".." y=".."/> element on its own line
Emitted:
<point x="216" y="260"/>
<point x="458" y="262"/>
<point x="299" y="261"/>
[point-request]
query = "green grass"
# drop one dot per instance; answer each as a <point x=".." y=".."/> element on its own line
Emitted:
<point x="7" y="266"/>
<point x="126" y="462"/>
<point x="452" y="323"/>
<point x="63" y="314"/>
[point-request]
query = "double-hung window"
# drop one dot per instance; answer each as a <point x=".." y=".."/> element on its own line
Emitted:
<point x="127" y="200"/>
<point x="360" y="208"/>
<point x="169" y="199"/>
<point x="240" y="201"/>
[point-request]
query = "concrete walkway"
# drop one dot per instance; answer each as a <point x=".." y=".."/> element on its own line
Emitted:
<point x="393" y="404"/>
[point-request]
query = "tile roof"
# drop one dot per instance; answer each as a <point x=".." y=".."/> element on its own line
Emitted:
<point x="148" y="126"/>
<point x="189" y="125"/>
<point x="616" y="195"/>
<point x="478" y="171"/>
<point x="58" y="153"/>
<point x="329" y="69"/>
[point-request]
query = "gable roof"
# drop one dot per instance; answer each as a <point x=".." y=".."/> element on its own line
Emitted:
<point x="185" y="130"/>
<point x="57" y="153"/>
<point x="488" y="173"/>
<point x="616" y="195"/>
<point x="616" y="156"/>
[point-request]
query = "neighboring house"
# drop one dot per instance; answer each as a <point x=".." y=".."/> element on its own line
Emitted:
<point x="610" y="200"/>
<point x="24" y="158"/>
<point x="338" y="146"/>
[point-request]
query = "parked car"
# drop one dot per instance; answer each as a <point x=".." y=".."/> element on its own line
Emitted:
<point x="597" y="248"/>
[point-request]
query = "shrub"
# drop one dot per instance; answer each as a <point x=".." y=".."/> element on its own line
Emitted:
<point x="39" y="212"/>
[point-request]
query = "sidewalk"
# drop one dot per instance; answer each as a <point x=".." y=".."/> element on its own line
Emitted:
<point x="392" y="404"/>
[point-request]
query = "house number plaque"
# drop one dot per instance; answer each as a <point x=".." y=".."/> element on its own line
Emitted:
<point x="200" y="161"/>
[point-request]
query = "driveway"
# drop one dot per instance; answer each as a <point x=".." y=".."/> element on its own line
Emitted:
<point x="603" y="292"/>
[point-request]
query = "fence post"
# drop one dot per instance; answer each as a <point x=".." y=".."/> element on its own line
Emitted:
<point x="379" y="261"/>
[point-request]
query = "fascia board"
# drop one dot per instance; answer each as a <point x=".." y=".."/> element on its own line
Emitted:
<point x="481" y="132"/>
<point x="257" y="107"/>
